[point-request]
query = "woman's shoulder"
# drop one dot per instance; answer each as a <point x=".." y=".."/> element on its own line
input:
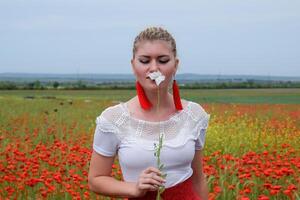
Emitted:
<point x="193" y="105"/>
<point x="196" y="110"/>
<point x="111" y="113"/>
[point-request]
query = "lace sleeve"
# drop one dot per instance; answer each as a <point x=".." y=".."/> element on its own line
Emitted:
<point x="105" y="141"/>
<point x="201" y="118"/>
<point x="201" y="132"/>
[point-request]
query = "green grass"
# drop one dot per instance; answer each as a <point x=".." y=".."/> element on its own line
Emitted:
<point x="249" y="96"/>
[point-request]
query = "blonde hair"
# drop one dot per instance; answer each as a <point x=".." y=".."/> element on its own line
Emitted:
<point x="152" y="34"/>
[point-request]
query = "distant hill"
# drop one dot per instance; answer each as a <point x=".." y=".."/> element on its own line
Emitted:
<point x="101" y="78"/>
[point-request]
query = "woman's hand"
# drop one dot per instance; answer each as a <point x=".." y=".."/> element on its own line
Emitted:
<point x="149" y="180"/>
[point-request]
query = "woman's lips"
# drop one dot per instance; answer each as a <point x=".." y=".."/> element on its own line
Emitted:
<point x="151" y="81"/>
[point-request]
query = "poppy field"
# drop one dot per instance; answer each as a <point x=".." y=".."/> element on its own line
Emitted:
<point x="252" y="147"/>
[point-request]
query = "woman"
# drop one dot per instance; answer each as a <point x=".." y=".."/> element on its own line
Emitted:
<point x="130" y="129"/>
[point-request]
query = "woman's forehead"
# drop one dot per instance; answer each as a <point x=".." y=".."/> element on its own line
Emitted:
<point x="156" y="47"/>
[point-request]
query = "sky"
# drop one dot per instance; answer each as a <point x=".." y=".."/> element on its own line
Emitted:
<point x="230" y="37"/>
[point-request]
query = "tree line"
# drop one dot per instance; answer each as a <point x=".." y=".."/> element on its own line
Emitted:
<point x="81" y="85"/>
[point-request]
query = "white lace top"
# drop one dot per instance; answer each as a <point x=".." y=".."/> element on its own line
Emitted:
<point x="117" y="132"/>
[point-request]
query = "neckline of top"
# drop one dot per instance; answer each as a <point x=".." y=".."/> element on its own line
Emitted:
<point x="177" y="114"/>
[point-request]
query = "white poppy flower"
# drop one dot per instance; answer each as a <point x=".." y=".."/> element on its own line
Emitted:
<point x="157" y="76"/>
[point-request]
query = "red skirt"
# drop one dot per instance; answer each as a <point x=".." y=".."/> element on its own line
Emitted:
<point x="181" y="191"/>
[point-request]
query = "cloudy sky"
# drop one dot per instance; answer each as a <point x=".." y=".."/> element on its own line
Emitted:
<point x="250" y="37"/>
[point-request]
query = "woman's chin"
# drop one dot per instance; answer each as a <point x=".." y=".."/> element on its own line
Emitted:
<point x="152" y="87"/>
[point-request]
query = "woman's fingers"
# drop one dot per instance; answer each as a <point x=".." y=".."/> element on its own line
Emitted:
<point x="144" y="186"/>
<point x="154" y="173"/>
<point x="154" y="178"/>
<point x="152" y="169"/>
<point x="150" y="179"/>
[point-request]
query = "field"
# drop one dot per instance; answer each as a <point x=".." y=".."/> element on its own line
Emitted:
<point x="252" y="148"/>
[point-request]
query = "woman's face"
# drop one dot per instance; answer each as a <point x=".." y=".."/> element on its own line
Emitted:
<point x="152" y="56"/>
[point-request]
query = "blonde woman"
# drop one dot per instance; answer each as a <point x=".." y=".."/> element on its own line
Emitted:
<point x="129" y="130"/>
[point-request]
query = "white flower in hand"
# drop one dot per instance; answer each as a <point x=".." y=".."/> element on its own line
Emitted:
<point x="157" y="76"/>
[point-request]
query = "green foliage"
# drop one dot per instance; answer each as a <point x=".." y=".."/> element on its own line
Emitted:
<point x="55" y="84"/>
<point x="7" y="85"/>
<point x="83" y="85"/>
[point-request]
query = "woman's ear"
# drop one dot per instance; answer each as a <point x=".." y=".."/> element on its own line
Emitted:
<point x="132" y="66"/>
<point x="176" y="64"/>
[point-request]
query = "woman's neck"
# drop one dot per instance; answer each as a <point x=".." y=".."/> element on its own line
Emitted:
<point x="159" y="99"/>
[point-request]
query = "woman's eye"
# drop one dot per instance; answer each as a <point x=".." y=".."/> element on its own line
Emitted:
<point x="144" y="61"/>
<point x="160" y="61"/>
<point x="163" y="61"/>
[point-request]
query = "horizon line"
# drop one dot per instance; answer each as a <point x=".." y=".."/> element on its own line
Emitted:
<point x="217" y="74"/>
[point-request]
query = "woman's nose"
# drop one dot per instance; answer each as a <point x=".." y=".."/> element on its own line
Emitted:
<point x="153" y="66"/>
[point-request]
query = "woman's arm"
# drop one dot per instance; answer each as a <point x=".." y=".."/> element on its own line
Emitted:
<point x="101" y="182"/>
<point x="198" y="177"/>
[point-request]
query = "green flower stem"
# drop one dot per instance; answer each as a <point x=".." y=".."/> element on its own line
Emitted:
<point x="160" y="166"/>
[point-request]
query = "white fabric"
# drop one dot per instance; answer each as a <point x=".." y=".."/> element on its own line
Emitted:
<point x="117" y="132"/>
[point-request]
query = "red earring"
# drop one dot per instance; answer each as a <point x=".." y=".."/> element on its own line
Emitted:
<point x="176" y="96"/>
<point x="144" y="101"/>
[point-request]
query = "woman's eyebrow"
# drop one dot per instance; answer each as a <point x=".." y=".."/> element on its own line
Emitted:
<point x="163" y="56"/>
<point x="158" y="56"/>
<point x="144" y="56"/>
